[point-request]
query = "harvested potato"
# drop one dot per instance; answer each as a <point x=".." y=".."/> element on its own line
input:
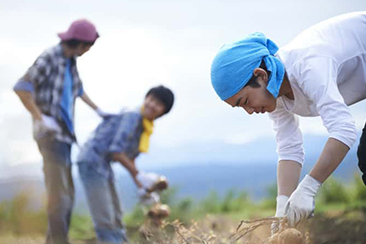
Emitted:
<point x="160" y="185"/>
<point x="159" y="211"/>
<point x="274" y="239"/>
<point x="290" y="236"/>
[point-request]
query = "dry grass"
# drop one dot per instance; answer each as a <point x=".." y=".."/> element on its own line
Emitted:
<point x="35" y="240"/>
<point x="223" y="230"/>
<point x="211" y="231"/>
<point x="21" y="240"/>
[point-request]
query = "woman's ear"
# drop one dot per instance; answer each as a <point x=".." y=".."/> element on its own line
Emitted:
<point x="259" y="72"/>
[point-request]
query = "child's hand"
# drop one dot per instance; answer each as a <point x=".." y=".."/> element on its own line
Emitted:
<point x="141" y="192"/>
<point x="147" y="198"/>
<point x="103" y="114"/>
<point x="147" y="180"/>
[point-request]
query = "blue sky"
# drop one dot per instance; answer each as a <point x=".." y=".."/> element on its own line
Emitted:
<point x="146" y="43"/>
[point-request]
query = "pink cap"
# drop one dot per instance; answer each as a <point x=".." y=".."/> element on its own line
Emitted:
<point x="82" y="30"/>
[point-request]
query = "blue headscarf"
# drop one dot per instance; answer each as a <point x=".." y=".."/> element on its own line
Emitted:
<point x="234" y="64"/>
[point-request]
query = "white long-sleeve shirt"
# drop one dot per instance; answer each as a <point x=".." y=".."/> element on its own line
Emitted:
<point x="326" y="68"/>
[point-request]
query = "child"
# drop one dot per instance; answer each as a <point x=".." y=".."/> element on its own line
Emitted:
<point x="48" y="90"/>
<point x="119" y="138"/>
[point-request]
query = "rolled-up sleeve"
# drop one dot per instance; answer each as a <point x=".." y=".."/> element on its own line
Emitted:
<point x="125" y="133"/>
<point x="319" y="83"/>
<point x="36" y="74"/>
<point x="288" y="135"/>
<point x="23" y="85"/>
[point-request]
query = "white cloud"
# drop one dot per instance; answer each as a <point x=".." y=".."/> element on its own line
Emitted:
<point x="241" y="138"/>
<point x="143" y="45"/>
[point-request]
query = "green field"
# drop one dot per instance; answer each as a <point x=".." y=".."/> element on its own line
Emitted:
<point x="340" y="216"/>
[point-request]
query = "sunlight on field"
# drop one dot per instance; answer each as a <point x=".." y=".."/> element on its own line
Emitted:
<point x="22" y="240"/>
<point x="340" y="218"/>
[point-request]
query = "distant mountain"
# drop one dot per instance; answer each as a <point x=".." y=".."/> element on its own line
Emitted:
<point x="194" y="169"/>
<point x="260" y="151"/>
<point x="194" y="181"/>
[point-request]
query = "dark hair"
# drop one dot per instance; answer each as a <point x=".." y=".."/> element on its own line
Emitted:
<point x="253" y="80"/>
<point x="165" y="95"/>
<point x="73" y="43"/>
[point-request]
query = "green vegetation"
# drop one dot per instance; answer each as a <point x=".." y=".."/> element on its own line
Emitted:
<point x="16" y="218"/>
<point x="336" y="195"/>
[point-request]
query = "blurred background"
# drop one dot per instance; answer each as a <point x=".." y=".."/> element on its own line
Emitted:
<point x="203" y="145"/>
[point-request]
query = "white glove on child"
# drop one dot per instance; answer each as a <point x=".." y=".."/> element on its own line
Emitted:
<point x="148" y="198"/>
<point x="301" y="204"/>
<point x="280" y="212"/>
<point x="147" y="180"/>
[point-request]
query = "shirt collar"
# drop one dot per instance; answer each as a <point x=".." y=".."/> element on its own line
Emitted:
<point x="60" y="54"/>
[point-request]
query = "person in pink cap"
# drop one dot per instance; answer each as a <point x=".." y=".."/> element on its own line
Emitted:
<point x="48" y="91"/>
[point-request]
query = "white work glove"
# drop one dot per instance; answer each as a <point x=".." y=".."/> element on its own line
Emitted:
<point x="280" y="212"/>
<point x="301" y="204"/>
<point x="141" y="192"/>
<point x="50" y="123"/>
<point x="44" y="126"/>
<point x="148" y="198"/>
<point x="147" y="180"/>
<point x="102" y="114"/>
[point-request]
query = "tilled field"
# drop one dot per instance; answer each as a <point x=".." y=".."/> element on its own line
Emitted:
<point x="340" y="229"/>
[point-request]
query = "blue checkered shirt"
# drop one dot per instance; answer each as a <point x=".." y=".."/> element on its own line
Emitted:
<point x="116" y="134"/>
<point x="45" y="79"/>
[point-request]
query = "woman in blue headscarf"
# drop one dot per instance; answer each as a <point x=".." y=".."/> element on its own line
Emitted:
<point x="320" y="73"/>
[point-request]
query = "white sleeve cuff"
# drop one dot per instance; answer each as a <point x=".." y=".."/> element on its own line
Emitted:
<point x="288" y="157"/>
<point x="348" y="139"/>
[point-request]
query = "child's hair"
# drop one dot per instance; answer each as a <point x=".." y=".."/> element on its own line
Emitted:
<point x="73" y="43"/>
<point x="253" y="80"/>
<point x="165" y="95"/>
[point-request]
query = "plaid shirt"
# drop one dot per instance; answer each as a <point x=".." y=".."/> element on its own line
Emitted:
<point x="116" y="134"/>
<point x="45" y="78"/>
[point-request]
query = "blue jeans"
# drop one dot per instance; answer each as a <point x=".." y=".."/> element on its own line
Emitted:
<point x="103" y="204"/>
<point x="59" y="188"/>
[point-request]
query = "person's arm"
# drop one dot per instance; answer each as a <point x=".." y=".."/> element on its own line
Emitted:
<point x="129" y="164"/>
<point x="88" y="101"/>
<point x="290" y="157"/>
<point x="29" y="103"/>
<point x="289" y="149"/>
<point x="319" y="85"/>
<point x="91" y="104"/>
<point x="331" y="156"/>
<point x="35" y="75"/>
<point x="333" y="111"/>
<point x="121" y="141"/>
<point x="301" y="204"/>
<point x="288" y="175"/>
